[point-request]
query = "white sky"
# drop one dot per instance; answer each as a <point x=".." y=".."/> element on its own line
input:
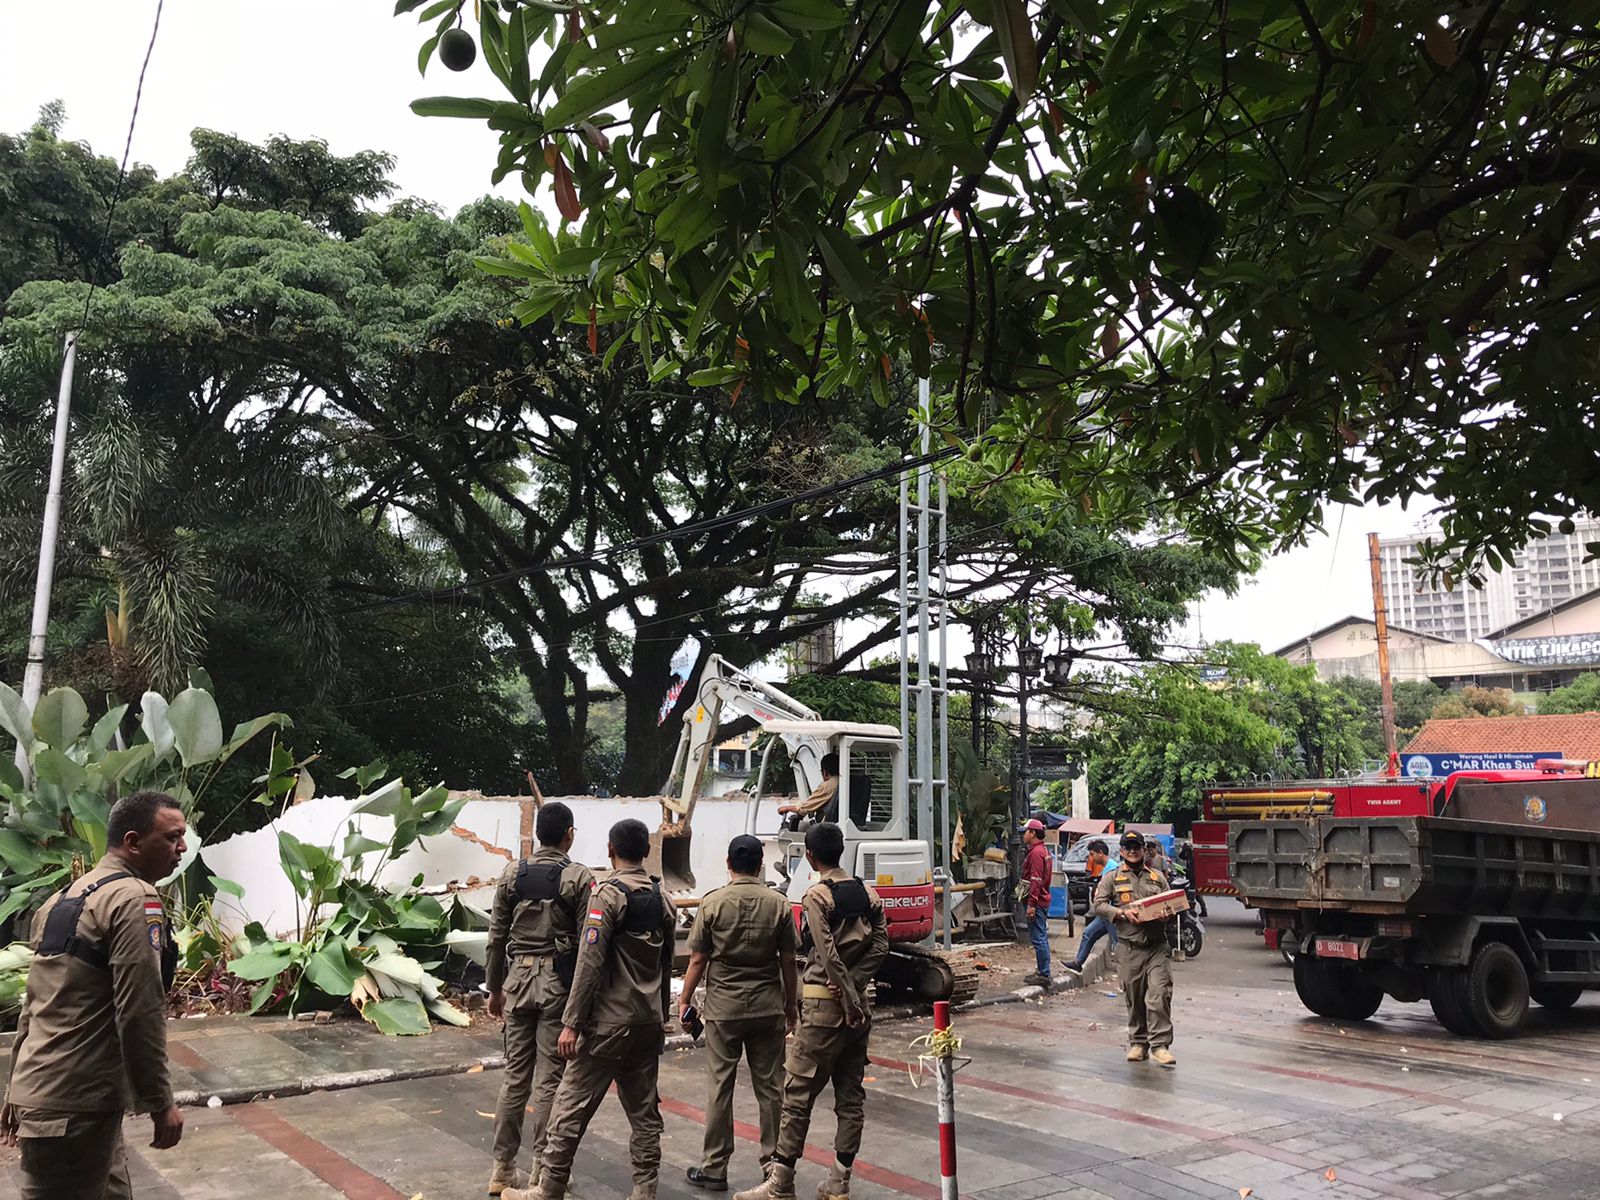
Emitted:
<point x="344" y="71"/>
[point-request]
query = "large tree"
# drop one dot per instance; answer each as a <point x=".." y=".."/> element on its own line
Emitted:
<point x="1233" y="260"/>
<point x="207" y="517"/>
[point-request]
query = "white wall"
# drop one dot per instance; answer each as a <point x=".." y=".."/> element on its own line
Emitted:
<point x="451" y="861"/>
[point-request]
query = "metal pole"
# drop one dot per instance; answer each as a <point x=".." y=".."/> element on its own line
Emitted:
<point x="1381" y="619"/>
<point x="944" y="692"/>
<point x="924" y="649"/>
<point x="945" y="1059"/>
<point x="905" y="635"/>
<point x="33" y="674"/>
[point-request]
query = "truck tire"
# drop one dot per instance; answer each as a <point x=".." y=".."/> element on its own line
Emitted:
<point x="1555" y="995"/>
<point x="1335" y="990"/>
<point x="1497" y="990"/>
<point x="1447" y="993"/>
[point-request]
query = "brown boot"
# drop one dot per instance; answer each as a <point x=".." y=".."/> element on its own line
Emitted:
<point x="837" y="1185"/>
<point x="1138" y="1052"/>
<point x="1164" y="1056"/>
<point x="542" y="1192"/>
<point x="643" y="1191"/>
<point x="505" y="1175"/>
<point x="779" y="1185"/>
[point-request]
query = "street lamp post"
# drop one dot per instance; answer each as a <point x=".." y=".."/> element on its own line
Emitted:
<point x="980" y="669"/>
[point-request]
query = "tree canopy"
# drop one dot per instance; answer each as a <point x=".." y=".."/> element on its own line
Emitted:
<point x="339" y="433"/>
<point x="1230" y="261"/>
<point x="1582" y="695"/>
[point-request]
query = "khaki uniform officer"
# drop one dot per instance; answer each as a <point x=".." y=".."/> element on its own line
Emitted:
<point x="92" y="1038"/>
<point x="614" y="1025"/>
<point x="846" y="938"/>
<point x="533" y="950"/>
<point x="743" y="943"/>
<point x="1144" y="961"/>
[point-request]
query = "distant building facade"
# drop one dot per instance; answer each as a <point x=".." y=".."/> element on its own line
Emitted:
<point x="1548" y="573"/>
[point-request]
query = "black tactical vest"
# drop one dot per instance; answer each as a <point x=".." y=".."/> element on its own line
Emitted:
<point x="61" y="933"/>
<point x="850" y="903"/>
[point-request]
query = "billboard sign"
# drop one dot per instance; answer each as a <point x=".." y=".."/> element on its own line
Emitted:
<point x="1559" y="650"/>
<point x="1431" y="766"/>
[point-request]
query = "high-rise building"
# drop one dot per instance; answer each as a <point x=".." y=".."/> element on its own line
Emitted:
<point x="1547" y="573"/>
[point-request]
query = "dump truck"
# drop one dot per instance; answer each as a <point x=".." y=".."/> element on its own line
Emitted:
<point x="1487" y="906"/>
<point x="870" y="806"/>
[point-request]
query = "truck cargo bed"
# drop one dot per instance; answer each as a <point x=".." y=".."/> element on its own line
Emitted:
<point x="1417" y="865"/>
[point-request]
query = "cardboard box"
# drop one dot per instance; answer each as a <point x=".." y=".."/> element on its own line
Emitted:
<point x="1162" y="905"/>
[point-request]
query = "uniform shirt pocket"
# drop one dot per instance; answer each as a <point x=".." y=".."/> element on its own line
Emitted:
<point x="41" y="1127"/>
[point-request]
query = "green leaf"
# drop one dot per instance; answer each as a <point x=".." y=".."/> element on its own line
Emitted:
<point x="196" y="726"/>
<point x="356" y="843"/>
<point x="440" y="822"/>
<point x="397" y="1017"/>
<point x="200" y="678"/>
<point x="105" y="729"/>
<point x="153" y="720"/>
<point x="56" y="768"/>
<point x="333" y="970"/>
<point x="594" y="92"/>
<point x="397" y="968"/>
<point x="845" y="263"/>
<point x="447" y="1012"/>
<point x="453" y="106"/>
<point x="1014" y="31"/>
<point x="387" y="801"/>
<point x="474" y="943"/>
<point x="711" y="130"/>
<point x="60" y="718"/>
<point x="14" y="717"/>
<point x="264" y="962"/>
<point x="18" y="853"/>
<point x="227" y="886"/>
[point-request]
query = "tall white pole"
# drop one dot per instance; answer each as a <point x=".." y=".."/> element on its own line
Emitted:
<point x="33" y="675"/>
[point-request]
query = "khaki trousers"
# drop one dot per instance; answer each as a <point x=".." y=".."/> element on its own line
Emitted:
<point x="1145" y="970"/>
<point x="629" y="1057"/>
<point x="821" y="1054"/>
<point x="760" y="1041"/>
<point x="533" y="1071"/>
<point x="76" y="1155"/>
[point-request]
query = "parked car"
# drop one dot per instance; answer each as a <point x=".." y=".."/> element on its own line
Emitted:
<point x="1074" y="863"/>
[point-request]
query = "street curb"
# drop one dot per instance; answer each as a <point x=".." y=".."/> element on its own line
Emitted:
<point x="343" y="1081"/>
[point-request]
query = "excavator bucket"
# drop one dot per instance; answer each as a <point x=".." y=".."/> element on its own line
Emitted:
<point x="669" y="858"/>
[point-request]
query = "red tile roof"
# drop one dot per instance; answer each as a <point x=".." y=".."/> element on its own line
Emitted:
<point x="1575" y="736"/>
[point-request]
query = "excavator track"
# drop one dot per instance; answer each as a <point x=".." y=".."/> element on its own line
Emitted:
<point x="928" y="974"/>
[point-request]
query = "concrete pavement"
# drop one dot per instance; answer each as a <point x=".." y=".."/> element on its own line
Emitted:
<point x="1265" y="1097"/>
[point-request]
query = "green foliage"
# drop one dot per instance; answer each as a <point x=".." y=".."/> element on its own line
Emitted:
<point x="357" y="941"/>
<point x="1582" y="695"/>
<point x="1472" y="701"/>
<point x="53" y="830"/>
<point x="14" y="960"/>
<point x="983" y="798"/>
<point x="1165" y="732"/>
<point x="1225" y="261"/>
<point x="1414" y="701"/>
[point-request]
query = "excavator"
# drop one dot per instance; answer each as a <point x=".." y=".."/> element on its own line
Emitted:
<point x="870" y="806"/>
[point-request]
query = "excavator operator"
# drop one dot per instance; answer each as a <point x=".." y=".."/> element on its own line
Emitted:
<point x="817" y="804"/>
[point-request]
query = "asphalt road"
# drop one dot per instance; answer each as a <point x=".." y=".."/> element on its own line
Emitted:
<point x="1265" y="1097"/>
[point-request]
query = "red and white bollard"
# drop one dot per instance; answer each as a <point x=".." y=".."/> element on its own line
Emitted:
<point x="947" y="1107"/>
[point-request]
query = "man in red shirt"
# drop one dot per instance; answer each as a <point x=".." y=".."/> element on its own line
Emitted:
<point x="1036" y="872"/>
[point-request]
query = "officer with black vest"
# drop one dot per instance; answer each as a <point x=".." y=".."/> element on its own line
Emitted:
<point x="844" y="938"/>
<point x="614" y="1024"/>
<point x="533" y="950"/>
<point x="92" y="1038"/>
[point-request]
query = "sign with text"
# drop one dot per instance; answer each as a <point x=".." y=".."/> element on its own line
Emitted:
<point x="1559" y="650"/>
<point x="1429" y="766"/>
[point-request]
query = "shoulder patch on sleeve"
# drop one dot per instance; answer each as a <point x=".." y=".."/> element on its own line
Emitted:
<point x="591" y="934"/>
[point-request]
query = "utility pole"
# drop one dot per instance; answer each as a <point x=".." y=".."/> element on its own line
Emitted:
<point x="33" y="674"/>
<point x="1391" y="763"/>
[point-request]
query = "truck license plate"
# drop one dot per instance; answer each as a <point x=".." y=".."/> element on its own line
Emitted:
<point x="1337" y="948"/>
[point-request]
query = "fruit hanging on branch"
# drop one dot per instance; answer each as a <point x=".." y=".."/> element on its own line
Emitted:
<point x="457" y="50"/>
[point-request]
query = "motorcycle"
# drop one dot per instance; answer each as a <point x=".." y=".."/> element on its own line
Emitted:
<point x="1191" y="934"/>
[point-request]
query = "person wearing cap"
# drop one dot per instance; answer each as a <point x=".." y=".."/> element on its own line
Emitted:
<point x="743" y="946"/>
<point x="1144" y="961"/>
<point x="1036" y="871"/>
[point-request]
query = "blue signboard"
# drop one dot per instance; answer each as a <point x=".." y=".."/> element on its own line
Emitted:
<point x="1430" y="766"/>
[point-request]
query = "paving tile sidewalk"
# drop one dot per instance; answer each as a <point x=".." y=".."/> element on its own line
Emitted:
<point x="238" y="1057"/>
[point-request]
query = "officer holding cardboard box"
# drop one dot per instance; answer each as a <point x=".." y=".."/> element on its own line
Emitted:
<point x="1144" y="961"/>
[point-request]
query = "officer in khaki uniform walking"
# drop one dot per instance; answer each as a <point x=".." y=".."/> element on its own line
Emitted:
<point x="845" y="939"/>
<point x="1144" y="960"/>
<point x="743" y="943"/>
<point x="533" y="950"/>
<point x="92" y="1038"/>
<point x="614" y="1025"/>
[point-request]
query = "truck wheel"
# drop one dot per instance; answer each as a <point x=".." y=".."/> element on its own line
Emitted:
<point x="1555" y="995"/>
<point x="1447" y="994"/>
<point x="1497" y="990"/>
<point x="1334" y="990"/>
